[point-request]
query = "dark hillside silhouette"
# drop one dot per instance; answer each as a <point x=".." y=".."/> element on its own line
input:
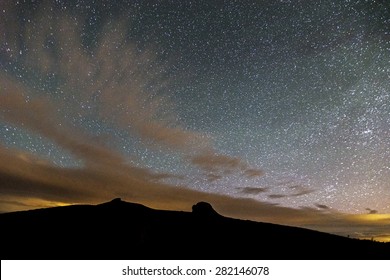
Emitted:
<point x="123" y="230"/>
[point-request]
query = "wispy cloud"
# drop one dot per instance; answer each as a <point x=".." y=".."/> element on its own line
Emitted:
<point x="253" y="190"/>
<point x="277" y="195"/>
<point x="214" y="163"/>
<point x="299" y="190"/>
<point x="252" y="173"/>
<point x="114" y="82"/>
<point x="213" y="177"/>
<point x="38" y="115"/>
<point x="322" y="206"/>
<point x="293" y="191"/>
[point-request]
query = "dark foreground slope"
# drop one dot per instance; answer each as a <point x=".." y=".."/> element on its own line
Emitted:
<point x="122" y="230"/>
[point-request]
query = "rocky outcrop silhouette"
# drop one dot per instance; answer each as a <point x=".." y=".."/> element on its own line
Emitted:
<point x="204" y="209"/>
<point x="116" y="200"/>
<point x="123" y="230"/>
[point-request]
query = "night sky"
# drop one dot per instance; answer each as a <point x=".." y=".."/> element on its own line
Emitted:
<point x="270" y="110"/>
